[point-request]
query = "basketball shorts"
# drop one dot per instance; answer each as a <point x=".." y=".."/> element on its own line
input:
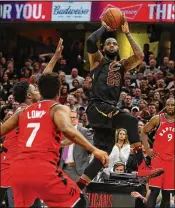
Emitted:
<point x="34" y="178"/>
<point x="166" y="181"/>
<point x="5" y="178"/>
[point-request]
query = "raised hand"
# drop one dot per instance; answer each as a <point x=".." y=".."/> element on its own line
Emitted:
<point x="59" y="48"/>
<point x="125" y="27"/>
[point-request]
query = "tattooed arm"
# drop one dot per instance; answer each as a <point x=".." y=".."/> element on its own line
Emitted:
<point x="134" y="60"/>
<point x="94" y="54"/>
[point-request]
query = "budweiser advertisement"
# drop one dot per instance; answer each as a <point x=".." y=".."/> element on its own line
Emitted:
<point x="25" y="11"/>
<point x="71" y="11"/>
<point x="137" y="11"/>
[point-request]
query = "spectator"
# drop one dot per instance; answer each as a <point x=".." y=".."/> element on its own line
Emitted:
<point x="119" y="168"/>
<point x="143" y="106"/>
<point x="62" y="76"/>
<point x="152" y="110"/>
<point x="152" y="67"/>
<point x="121" y="100"/>
<point x="27" y="75"/>
<point x="80" y="112"/>
<point x="5" y="108"/>
<point x="76" y="85"/>
<point x="7" y="87"/>
<point x="85" y="121"/>
<point x="135" y="111"/>
<point x="127" y="102"/>
<point x="72" y="101"/>
<point x="74" y="75"/>
<point x="79" y="96"/>
<point x="164" y="65"/>
<point x="151" y="80"/>
<point x="137" y="97"/>
<point x="139" y="79"/>
<point x="28" y="65"/>
<point x="36" y="69"/>
<point x="142" y="67"/>
<point x="63" y="94"/>
<point x="62" y="66"/>
<point x="3" y="62"/>
<point x="146" y="52"/>
<point x="120" y="151"/>
<point x="144" y="88"/>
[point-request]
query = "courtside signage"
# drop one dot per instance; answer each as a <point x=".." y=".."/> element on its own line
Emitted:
<point x="71" y="11"/>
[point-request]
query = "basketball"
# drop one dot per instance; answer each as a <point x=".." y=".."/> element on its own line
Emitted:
<point x="113" y="17"/>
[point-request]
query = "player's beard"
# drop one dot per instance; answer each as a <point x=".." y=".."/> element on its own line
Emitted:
<point x="111" y="55"/>
<point x="172" y="113"/>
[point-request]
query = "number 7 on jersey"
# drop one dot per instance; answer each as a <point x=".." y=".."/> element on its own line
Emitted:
<point x="36" y="127"/>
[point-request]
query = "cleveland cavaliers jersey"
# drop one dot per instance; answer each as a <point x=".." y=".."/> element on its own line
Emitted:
<point x="37" y="133"/>
<point x="107" y="80"/>
<point x="164" y="143"/>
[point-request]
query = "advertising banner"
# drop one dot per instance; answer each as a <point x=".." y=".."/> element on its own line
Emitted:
<point x="25" y="11"/>
<point x="71" y="11"/>
<point x="150" y="11"/>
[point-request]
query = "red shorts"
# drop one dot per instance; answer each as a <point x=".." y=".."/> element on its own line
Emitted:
<point x="31" y="179"/>
<point x="5" y="178"/>
<point x="5" y="167"/>
<point x="166" y="181"/>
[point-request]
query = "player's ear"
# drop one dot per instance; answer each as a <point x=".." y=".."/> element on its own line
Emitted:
<point x="29" y="95"/>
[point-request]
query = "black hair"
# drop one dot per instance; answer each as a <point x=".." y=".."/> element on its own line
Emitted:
<point x="49" y="85"/>
<point x="20" y="91"/>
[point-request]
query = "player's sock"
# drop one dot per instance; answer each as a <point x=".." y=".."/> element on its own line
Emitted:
<point x="81" y="183"/>
<point x="90" y="173"/>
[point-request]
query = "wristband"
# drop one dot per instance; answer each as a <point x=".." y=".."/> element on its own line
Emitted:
<point x="127" y="33"/>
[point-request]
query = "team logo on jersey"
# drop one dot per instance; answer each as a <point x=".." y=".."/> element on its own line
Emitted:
<point x="168" y="130"/>
<point x="114" y="75"/>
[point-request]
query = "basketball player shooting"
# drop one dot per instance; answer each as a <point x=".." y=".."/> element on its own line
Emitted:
<point x="163" y="154"/>
<point x="107" y="80"/>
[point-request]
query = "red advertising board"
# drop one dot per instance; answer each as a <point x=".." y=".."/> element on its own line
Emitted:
<point x="138" y="11"/>
<point x="25" y="11"/>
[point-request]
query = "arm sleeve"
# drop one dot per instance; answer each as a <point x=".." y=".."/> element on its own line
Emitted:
<point x="92" y="40"/>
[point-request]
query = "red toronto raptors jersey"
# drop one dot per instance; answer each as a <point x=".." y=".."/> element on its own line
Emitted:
<point x="164" y="139"/>
<point x="10" y="144"/>
<point x="37" y="133"/>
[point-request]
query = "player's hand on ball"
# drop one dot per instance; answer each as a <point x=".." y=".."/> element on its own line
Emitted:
<point x="59" y="48"/>
<point x="102" y="156"/>
<point x="125" y="26"/>
<point x="106" y="26"/>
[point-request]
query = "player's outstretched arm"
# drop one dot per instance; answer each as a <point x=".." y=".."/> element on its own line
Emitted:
<point x="56" y="56"/>
<point x="10" y="124"/>
<point x="134" y="60"/>
<point x="154" y="122"/>
<point x="62" y="120"/>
